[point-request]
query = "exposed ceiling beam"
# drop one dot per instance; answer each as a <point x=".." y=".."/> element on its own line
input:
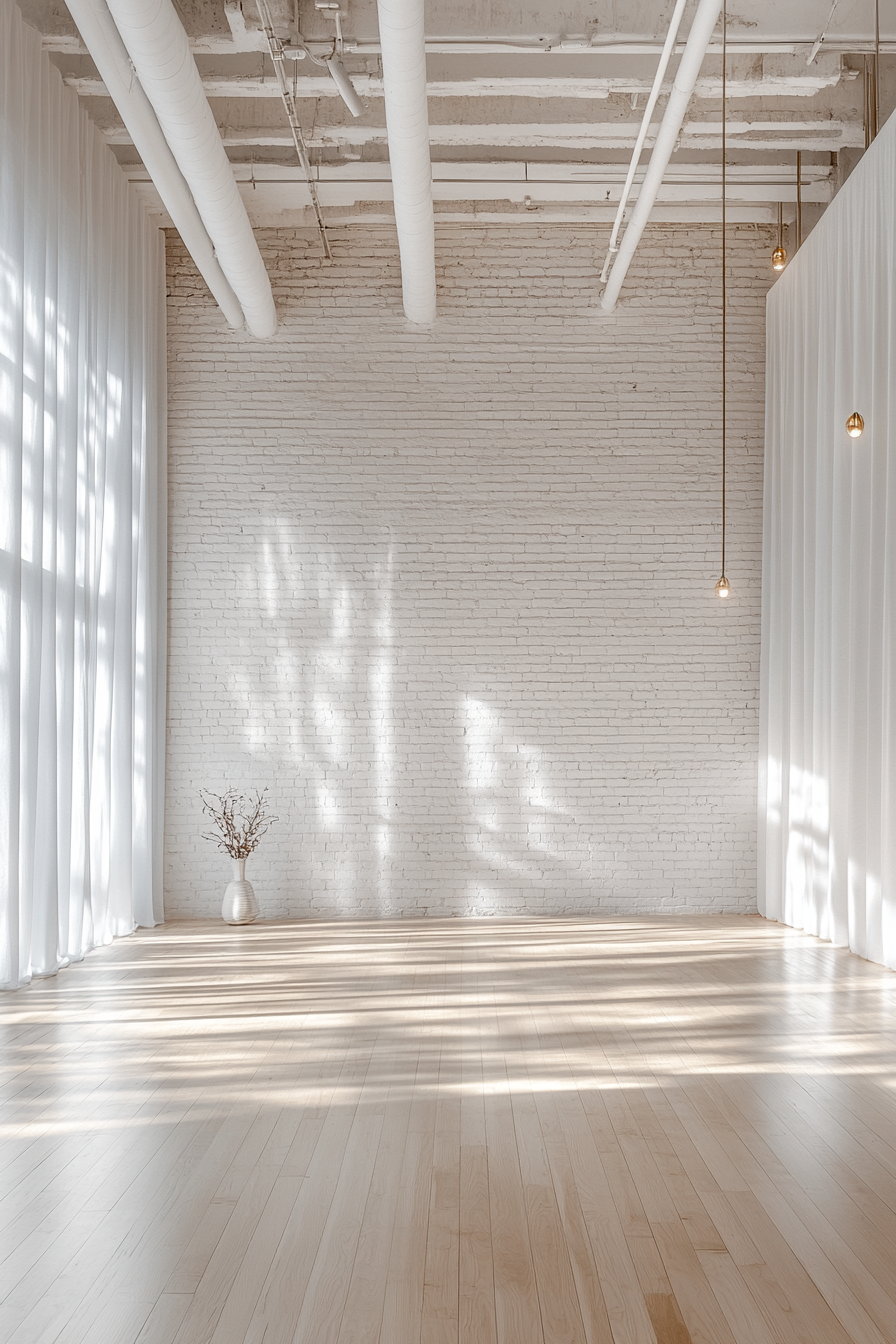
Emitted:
<point x="275" y="187"/>
<point x="802" y="82"/>
<point x="779" y="176"/>
<point x="331" y="194"/>
<point x="821" y="135"/>
<point x="526" y="170"/>
<point x="272" y="192"/>
<point x="215" y="45"/>
<point x="525" y="193"/>
<point x="371" y="214"/>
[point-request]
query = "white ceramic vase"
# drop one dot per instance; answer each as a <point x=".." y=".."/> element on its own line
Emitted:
<point x="240" y="905"/>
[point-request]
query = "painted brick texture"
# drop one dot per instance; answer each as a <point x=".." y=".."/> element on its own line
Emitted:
<point x="449" y="593"/>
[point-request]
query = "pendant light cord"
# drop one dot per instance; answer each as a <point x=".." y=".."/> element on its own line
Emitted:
<point x="876" y="66"/>
<point x="724" y="281"/>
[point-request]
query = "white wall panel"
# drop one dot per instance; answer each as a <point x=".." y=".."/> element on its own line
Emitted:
<point x="828" y="752"/>
<point x="451" y="593"/>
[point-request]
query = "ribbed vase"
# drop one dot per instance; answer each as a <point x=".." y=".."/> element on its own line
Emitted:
<point x="240" y="905"/>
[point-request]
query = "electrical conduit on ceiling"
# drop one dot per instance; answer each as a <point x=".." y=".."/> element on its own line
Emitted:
<point x="158" y="47"/>
<point x="407" y="123"/>
<point x="104" y="43"/>
<point x="699" y="38"/>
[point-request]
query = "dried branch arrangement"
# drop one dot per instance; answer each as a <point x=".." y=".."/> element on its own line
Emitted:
<point x="240" y="820"/>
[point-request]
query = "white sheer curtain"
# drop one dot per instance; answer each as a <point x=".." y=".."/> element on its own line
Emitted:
<point x="81" y="519"/>
<point x="828" y="749"/>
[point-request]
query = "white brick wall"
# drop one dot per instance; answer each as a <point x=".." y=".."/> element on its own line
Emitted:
<point x="449" y="593"/>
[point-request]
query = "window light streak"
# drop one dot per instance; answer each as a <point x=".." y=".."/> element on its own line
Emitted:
<point x="328" y="808"/>
<point x="482" y="899"/>
<point x="382" y="709"/>
<point x="514" y="809"/>
<point x="268" y="581"/>
<point x="401" y="1076"/>
<point x="496" y="859"/>
<point x="341" y="614"/>
<point x="338" y="682"/>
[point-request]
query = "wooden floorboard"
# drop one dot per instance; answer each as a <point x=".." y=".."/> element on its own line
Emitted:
<point x="554" y="1131"/>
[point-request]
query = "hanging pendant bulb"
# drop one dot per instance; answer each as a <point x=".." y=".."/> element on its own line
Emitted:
<point x="779" y="256"/>
<point x="723" y="588"/>
<point x="854" y="425"/>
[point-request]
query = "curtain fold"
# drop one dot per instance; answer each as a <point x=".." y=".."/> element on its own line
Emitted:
<point x="81" y="528"/>
<point x="828" y="719"/>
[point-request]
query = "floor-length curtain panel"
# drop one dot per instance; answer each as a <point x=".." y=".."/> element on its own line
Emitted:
<point x="81" y="440"/>
<point x="828" y="749"/>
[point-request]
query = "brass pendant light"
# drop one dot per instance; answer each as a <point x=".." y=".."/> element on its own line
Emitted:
<point x="856" y="422"/>
<point x="779" y="256"/>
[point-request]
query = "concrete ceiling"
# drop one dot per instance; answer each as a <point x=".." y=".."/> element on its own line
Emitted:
<point x="533" y="107"/>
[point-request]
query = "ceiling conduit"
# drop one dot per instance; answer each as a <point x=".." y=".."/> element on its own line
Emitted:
<point x="407" y="124"/>
<point x="158" y="47"/>
<point x="104" y="43"/>
<point x="699" y="38"/>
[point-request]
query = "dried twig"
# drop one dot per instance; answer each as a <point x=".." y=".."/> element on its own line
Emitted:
<point x="240" y="820"/>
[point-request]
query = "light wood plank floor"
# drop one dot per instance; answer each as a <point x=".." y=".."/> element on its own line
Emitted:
<point x="619" y="1131"/>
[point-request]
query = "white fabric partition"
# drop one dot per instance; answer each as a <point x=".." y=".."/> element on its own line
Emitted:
<point x="828" y="747"/>
<point x="81" y="541"/>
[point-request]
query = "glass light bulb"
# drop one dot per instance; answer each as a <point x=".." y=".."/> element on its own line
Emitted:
<point x="854" y="425"/>
<point x="779" y="259"/>
<point x="722" y="587"/>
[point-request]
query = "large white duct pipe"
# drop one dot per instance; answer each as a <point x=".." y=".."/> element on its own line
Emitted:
<point x="699" y="38"/>
<point x="407" y="123"/>
<point x="160" y="51"/>
<point x="104" y="43"/>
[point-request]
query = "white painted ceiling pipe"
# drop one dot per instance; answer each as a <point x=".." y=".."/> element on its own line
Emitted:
<point x="160" y="52"/>
<point x="665" y="57"/>
<point x="699" y="37"/>
<point x="103" y="41"/>
<point x="407" y="125"/>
